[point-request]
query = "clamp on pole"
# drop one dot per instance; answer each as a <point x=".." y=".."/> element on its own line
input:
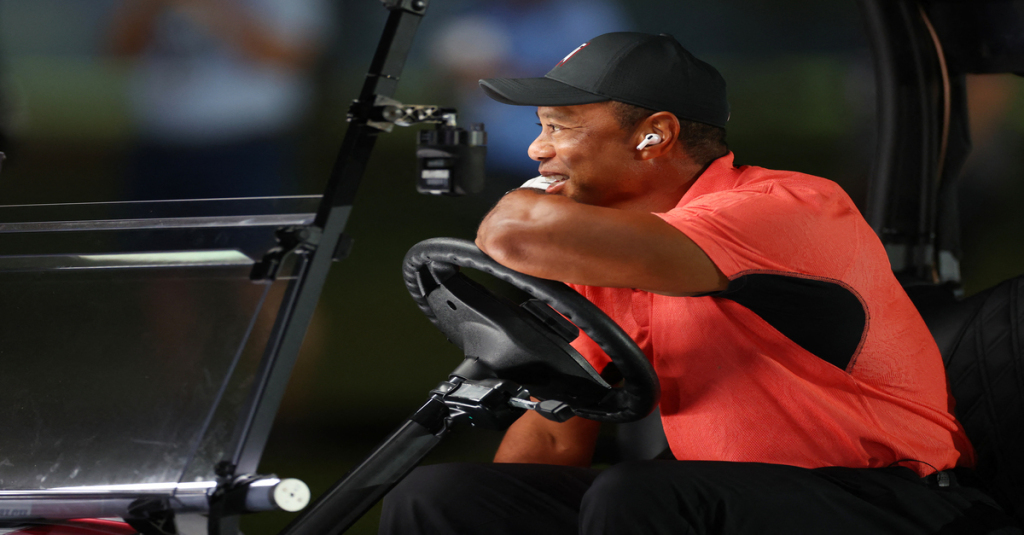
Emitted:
<point x="412" y="6"/>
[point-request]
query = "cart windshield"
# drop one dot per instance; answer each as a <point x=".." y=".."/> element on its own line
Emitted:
<point x="131" y="336"/>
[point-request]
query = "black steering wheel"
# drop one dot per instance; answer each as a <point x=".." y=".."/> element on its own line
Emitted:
<point x="528" y="343"/>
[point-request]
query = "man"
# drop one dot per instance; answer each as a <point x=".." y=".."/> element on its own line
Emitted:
<point x="801" y="391"/>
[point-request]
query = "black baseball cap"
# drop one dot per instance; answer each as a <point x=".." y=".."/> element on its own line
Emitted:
<point x="651" y="71"/>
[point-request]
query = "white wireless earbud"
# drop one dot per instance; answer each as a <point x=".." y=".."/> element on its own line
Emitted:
<point x="649" y="139"/>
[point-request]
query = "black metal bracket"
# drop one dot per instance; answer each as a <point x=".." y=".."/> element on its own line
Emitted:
<point x="290" y="240"/>
<point x="344" y="247"/>
<point x="412" y="6"/>
<point x="481" y="403"/>
<point x="385" y="112"/>
<point x="151" y="516"/>
<point x="227" y="501"/>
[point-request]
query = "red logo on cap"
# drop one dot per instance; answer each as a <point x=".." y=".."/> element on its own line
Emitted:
<point x="571" y="54"/>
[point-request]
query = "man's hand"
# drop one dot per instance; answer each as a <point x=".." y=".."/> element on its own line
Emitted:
<point x="553" y="237"/>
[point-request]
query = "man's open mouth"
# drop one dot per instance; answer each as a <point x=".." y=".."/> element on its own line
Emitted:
<point x="544" y="182"/>
<point x="557" y="183"/>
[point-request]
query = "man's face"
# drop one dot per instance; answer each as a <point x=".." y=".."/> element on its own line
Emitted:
<point x="586" y="146"/>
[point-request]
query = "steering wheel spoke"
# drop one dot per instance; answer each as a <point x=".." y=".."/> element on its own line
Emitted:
<point x="528" y="344"/>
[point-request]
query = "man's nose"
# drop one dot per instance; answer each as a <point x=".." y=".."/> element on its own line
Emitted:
<point x="540" y="149"/>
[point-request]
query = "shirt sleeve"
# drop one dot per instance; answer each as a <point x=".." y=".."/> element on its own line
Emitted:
<point x="773" y="228"/>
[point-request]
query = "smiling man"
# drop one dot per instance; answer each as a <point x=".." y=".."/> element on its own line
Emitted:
<point x="801" y="391"/>
<point x="602" y="204"/>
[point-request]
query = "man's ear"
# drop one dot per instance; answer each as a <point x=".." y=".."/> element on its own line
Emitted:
<point x="666" y="126"/>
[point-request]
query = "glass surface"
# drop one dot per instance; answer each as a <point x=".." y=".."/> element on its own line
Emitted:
<point x="245" y="225"/>
<point x="111" y="380"/>
<point x="224" y="212"/>
<point x="130" y="337"/>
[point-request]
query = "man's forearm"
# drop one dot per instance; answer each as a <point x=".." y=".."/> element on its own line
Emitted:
<point x="553" y="237"/>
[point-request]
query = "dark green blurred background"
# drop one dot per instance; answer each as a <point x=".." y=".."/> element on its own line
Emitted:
<point x="802" y="98"/>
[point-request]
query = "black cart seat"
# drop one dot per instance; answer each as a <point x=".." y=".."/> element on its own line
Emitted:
<point x="982" y="343"/>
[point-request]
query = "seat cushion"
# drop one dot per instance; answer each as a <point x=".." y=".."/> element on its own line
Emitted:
<point x="981" y="343"/>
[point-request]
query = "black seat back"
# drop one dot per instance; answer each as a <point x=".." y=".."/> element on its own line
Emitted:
<point x="982" y="343"/>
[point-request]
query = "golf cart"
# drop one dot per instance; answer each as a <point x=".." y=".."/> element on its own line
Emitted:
<point x="168" y="420"/>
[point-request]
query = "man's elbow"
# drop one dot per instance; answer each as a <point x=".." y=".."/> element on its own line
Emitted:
<point x="518" y="232"/>
<point x="499" y="243"/>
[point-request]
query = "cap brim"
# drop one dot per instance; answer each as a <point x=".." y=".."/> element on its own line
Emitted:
<point x="536" y="92"/>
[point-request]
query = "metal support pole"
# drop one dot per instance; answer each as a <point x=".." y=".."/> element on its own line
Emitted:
<point x="349" y="499"/>
<point x="315" y="258"/>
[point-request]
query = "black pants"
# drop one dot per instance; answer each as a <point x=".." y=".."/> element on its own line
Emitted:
<point x="683" y="497"/>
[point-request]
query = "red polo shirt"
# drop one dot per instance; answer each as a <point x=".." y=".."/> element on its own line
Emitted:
<point x="813" y="357"/>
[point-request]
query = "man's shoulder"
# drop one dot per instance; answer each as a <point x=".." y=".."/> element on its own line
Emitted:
<point x="753" y="181"/>
<point x="761" y="178"/>
<point x="723" y="176"/>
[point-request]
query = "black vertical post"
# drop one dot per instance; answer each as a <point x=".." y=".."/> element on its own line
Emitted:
<point x="315" y="260"/>
<point x="910" y="122"/>
<point x="349" y="499"/>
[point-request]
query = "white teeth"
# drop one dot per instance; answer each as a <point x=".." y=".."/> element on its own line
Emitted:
<point x="542" y="182"/>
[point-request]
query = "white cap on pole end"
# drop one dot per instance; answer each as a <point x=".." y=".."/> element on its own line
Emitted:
<point x="291" y="495"/>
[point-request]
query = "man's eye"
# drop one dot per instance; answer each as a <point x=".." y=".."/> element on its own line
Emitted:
<point x="551" y="127"/>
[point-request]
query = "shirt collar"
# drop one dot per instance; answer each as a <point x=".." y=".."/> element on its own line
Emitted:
<point x="721" y="174"/>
